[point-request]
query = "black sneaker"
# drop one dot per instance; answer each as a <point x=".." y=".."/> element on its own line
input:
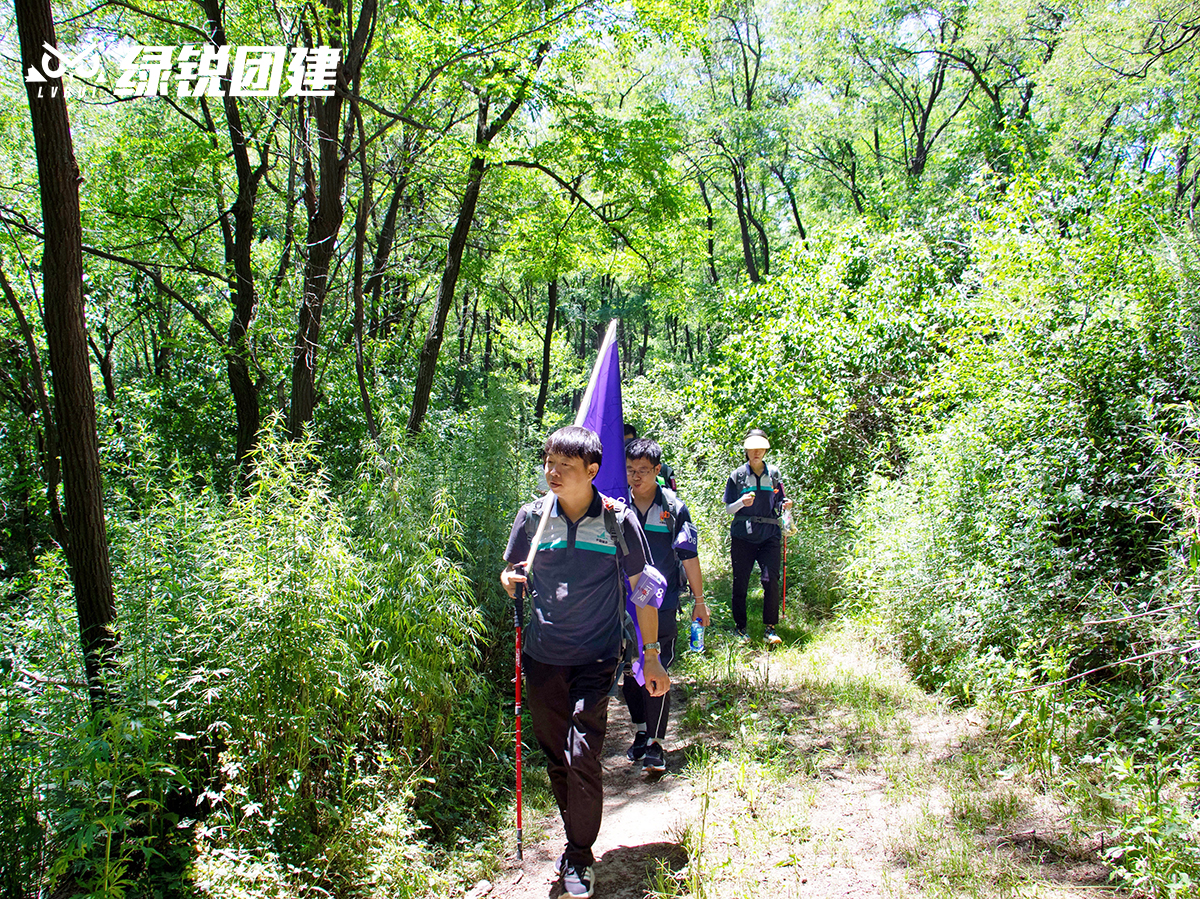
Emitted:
<point x="772" y="638"/>
<point x="635" y="752"/>
<point x="741" y="635"/>
<point x="578" y="880"/>
<point x="654" y="761"/>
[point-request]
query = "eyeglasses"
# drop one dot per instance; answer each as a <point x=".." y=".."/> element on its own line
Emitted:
<point x="640" y="472"/>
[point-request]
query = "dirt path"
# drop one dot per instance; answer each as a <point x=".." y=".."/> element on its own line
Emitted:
<point x="643" y="816"/>
<point x="817" y="771"/>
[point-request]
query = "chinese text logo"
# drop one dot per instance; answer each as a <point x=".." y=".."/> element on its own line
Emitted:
<point x="204" y="71"/>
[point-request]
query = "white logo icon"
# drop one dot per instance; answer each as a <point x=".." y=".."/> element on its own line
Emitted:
<point x="56" y="64"/>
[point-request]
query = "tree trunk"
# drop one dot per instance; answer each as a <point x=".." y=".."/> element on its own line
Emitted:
<point x="791" y="195"/>
<point x="40" y="417"/>
<point x="762" y="236"/>
<point x="711" y="243"/>
<point x="487" y="347"/>
<point x="360" y="250"/>
<point x="445" y="295"/>
<point x="645" y="345"/>
<point x="484" y="134"/>
<point x="383" y="250"/>
<point x="460" y="371"/>
<point x="323" y="197"/>
<point x="66" y="337"/>
<point x="743" y="221"/>
<point x="238" y="241"/>
<point x="474" y="326"/>
<point x="544" y="383"/>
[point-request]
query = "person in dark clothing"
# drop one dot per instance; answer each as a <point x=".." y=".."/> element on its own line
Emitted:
<point x="589" y="546"/>
<point x="754" y="496"/>
<point x="673" y="550"/>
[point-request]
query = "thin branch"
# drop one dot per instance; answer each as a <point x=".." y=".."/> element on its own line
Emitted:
<point x="1136" y="617"/>
<point x="1181" y="650"/>
<point x="575" y="194"/>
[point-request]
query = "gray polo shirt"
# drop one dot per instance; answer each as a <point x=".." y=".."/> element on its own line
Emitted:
<point x="579" y="590"/>
<point x="664" y="552"/>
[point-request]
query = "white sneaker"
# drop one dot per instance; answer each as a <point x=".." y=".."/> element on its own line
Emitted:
<point x="578" y="880"/>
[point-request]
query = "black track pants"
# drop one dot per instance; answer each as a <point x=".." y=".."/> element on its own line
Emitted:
<point x="744" y="555"/>
<point x="569" y="705"/>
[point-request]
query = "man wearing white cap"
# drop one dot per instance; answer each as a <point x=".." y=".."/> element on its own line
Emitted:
<point x="754" y="497"/>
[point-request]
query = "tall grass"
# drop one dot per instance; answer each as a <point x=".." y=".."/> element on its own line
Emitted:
<point x="300" y="694"/>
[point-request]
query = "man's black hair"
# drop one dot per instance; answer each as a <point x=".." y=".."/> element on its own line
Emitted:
<point x="577" y="442"/>
<point x="644" y="448"/>
<point x="630" y="431"/>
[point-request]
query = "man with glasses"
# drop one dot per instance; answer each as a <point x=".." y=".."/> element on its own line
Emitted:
<point x="673" y="551"/>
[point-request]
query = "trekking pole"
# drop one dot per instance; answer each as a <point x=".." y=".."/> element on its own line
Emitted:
<point x="783" y="586"/>
<point x="518" y="620"/>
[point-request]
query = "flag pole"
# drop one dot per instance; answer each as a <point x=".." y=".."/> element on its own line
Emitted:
<point x="609" y="336"/>
<point x="519" y="598"/>
<point x="518" y="618"/>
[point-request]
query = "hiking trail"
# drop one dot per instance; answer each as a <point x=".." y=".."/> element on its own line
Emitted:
<point x="841" y="779"/>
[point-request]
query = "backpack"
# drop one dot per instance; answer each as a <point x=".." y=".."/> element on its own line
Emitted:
<point x="672" y="505"/>
<point x="614" y="512"/>
<point x="666" y="476"/>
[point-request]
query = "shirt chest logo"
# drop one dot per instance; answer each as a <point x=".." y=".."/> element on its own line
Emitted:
<point x="590" y="535"/>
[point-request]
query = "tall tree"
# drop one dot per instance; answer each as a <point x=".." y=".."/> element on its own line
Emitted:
<point x="485" y="132"/>
<point x="237" y="231"/>
<point x="66" y="337"/>
<point x="332" y="126"/>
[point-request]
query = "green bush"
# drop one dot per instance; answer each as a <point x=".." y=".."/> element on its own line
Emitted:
<point x="1037" y="548"/>
<point x="285" y="672"/>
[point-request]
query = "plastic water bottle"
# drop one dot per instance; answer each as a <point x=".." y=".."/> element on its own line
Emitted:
<point x="696" y="643"/>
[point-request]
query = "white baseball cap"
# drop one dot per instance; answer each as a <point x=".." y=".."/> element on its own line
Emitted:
<point x="756" y="441"/>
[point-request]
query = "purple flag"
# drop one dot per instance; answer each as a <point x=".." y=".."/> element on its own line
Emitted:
<point x="602" y="413"/>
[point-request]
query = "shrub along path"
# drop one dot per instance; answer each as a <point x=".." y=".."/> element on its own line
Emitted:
<point x="815" y="770"/>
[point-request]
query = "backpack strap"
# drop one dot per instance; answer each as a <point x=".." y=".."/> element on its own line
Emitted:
<point x="531" y="521"/>
<point x="614" y="520"/>
<point x="672" y="505"/>
<point x="741" y="477"/>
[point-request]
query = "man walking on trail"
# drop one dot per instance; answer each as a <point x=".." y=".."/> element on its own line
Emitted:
<point x="673" y="541"/>
<point x="589" y="546"/>
<point x="754" y="497"/>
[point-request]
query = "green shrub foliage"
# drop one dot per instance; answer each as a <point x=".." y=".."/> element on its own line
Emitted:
<point x="1038" y="548"/>
<point x="286" y="679"/>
